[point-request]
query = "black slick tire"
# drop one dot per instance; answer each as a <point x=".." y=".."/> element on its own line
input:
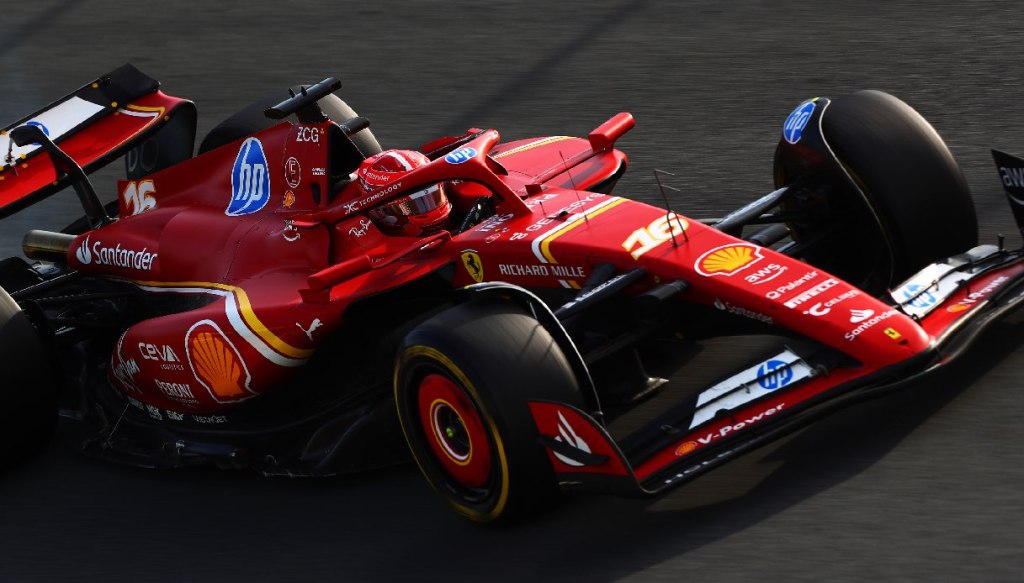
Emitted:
<point x="463" y="380"/>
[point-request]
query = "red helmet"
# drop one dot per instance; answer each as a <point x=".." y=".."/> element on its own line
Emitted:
<point x="423" y="212"/>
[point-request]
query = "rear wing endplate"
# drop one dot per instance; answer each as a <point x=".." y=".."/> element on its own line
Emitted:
<point x="95" y="124"/>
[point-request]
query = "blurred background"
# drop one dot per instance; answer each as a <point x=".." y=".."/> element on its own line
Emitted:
<point x="925" y="484"/>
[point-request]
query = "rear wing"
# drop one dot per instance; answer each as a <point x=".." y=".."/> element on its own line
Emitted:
<point x="96" y="124"/>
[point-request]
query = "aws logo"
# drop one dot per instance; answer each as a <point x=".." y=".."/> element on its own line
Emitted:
<point x="727" y="260"/>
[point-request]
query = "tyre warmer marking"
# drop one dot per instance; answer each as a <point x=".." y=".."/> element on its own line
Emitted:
<point x="534" y="144"/>
<point x="242" y="318"/>
<point x="436" y="355"/>
<point x="542" y="244"/>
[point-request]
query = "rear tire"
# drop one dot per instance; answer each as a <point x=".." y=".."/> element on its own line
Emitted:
<point x="28" y="393"/>
<point x="462" y="383"/>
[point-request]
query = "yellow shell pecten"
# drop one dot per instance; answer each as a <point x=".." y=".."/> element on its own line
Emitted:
<point x="727" y="259"/>
<point x="215" y="362"/>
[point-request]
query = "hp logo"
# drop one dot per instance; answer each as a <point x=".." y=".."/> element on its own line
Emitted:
<point x="774" y="374"/>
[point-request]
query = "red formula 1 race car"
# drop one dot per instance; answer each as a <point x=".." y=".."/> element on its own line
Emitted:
<point x="295" y="300"/>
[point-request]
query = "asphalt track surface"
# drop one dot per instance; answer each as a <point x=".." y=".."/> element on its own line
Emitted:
<point x="922" y="485"/>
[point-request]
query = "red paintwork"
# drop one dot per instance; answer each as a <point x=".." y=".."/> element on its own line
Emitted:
<point x="568" y="425"/>
<point x="538" y="242"/>
<point x="280" y="279"/>
<point x="103" y="136"/>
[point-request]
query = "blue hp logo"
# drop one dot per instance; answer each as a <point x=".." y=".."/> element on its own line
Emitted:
<point x="250" y="181"/>
<point x="922" y="301"/>
<point x="797" y="121"/>
<point x="461" y="155"/>
<point x="39" y="125"/>
<point x="774" y="374"/>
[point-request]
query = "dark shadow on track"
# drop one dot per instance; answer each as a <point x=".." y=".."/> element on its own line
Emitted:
<point x="115" y="522"/>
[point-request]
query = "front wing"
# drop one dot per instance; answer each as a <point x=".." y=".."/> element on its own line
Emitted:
<point x="953" y="301"/>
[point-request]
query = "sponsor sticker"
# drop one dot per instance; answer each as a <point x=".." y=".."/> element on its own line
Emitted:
<point x="361" y="230"/>
<point x="216" y="363"/>
<point x="822" y="308"/>
<point x="55" y="123"/>
<point x="34" y="123"/>
<point x="765" y="274"/>
<point x="727" y="260"/>
<point x="868" y="323"/>
<point x="774" y="374"/>
<point x="811" y="293"/>
<point x="161" y="353"/>
<point x="461" y="155"/>
<point x="180" y="392"/>
<point x="95" y="252"/>
<point x="920" y="294"/>
<point x="250" y="181"/>
<point x="474" y="266"/>
<point x="794" y="126"/>
<point x="292" y="172"/>
<point x="316" y="323"/>
<point x="561" y="271"/>
<point x="782" y="370"/>
<point x="741" y="311"/>
<point x="975" y="297"/>
<point x="712" y="436"/>
<point x="918" y="297"/>
<point x="788" y="287"/>
<point x="858" y="316"/>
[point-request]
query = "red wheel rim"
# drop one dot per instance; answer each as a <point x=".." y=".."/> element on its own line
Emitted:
<point x="455" y="431"/>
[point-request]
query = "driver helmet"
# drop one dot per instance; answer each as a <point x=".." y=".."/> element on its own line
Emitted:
<point x="423" y="212"/>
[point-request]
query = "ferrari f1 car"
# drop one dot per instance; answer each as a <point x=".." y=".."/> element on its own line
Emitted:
<point x="295" y="300"/>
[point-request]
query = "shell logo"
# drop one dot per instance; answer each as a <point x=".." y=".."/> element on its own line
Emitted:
<point x="685" y="448"/>
<point x="216" y="363"/>
<point x="957" y="308"/>
<point x="727" y="260"/>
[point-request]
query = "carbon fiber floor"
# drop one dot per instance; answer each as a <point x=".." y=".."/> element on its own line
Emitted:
<point x="925" y="485"/>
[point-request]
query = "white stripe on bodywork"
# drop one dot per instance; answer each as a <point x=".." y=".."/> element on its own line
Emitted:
<point x="59" y="120"/>
<point x="134" y="113"/>
<point x="572" y="219"/>
<point x="236" y="321"/>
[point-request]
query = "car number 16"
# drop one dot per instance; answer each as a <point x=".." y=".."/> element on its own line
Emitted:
<point x="660" y="230"/>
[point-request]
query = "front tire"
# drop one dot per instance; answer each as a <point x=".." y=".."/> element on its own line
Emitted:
<point x="462" y="385"/>
<point x="908" y="205"/>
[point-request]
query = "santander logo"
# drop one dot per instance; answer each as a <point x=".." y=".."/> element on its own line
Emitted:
<point x="117" y="256"/>
<point x="83" y="254"/>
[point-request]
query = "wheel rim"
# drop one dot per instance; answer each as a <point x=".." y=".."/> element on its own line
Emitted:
<point x="455" y="431"/>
